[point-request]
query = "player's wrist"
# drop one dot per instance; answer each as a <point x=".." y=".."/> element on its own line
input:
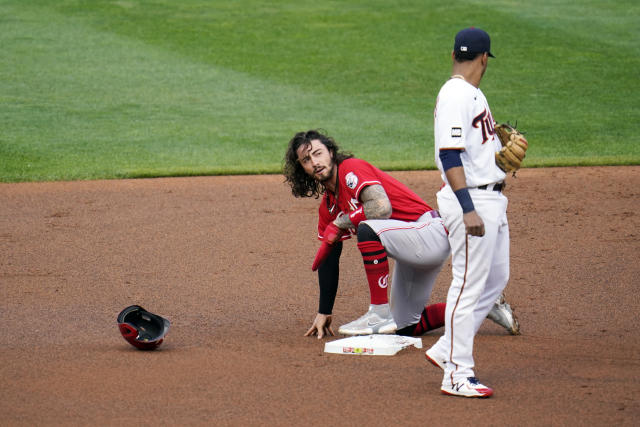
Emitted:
<point x="357" y="216"/>
<point x="332" y="233"/>
<point x="464" y="198"/>
<point x="342" y="221"/>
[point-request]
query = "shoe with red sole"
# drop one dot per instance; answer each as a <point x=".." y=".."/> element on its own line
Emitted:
<point x="469" y="387"/>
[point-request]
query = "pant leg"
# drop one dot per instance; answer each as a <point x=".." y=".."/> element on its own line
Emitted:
<point x="498" y="274"/>
<point x="410" y="291"/>
<point x="419" y="250"/>
<point x="470" y="271"/>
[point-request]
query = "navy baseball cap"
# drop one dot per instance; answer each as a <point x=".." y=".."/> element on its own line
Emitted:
<point x="472" y="41"/>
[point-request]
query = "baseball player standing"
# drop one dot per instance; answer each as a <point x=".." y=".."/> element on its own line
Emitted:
<point x="389" y="220"/>
<point x="474" y="210"/>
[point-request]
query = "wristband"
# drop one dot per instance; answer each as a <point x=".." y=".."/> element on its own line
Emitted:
<point x="464" y="198"/>
<point x="357" y="216"/>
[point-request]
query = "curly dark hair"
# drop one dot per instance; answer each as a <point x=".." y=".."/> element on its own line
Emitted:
<point x="302" y="184"/>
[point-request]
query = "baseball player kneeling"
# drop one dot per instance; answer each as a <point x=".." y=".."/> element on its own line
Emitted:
<point x="389" y="220"/>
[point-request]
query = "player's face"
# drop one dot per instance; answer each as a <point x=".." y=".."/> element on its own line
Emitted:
<point x="316" y="160"/>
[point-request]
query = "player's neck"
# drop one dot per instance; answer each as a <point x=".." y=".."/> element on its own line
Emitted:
<point x="470" y="72"/>
<point x="467" y="77"/>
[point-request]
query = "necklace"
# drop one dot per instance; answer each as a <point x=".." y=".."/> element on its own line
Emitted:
<point x="458" y="76"/>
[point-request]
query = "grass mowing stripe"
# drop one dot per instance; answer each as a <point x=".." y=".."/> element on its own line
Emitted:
<point x="145" y="110"/>
<point x="385" y="54"/>
<point x="109" y="89"/>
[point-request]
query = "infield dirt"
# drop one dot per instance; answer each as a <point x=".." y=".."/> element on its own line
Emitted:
<point x="227" y="260"/>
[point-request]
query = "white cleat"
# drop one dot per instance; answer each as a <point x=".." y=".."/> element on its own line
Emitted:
<point x="377" y="320"/>
<point x="502" y="314"/>
<point x="435" y="359"/>
<point x="469" y="387"/>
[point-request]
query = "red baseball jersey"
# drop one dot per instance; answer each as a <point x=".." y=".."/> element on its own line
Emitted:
<point x="356" y="174"/>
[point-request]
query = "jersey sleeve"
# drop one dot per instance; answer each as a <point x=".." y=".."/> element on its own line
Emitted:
<point x="450" y="118"/>
<point x="356" y="175"/>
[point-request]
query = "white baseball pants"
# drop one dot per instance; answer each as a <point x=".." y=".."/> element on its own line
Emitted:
<point x="480" y="271"/>
<point x="419" y="249"/>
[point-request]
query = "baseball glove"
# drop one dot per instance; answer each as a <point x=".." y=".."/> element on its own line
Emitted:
<point x="514" y="147"/>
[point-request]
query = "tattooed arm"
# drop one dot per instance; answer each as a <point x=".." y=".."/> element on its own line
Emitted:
<point x="375" y="203"/>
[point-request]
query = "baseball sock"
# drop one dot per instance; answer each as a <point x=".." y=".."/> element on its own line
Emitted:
<point x="432" y="317"/>
<point x="376" y="266"/>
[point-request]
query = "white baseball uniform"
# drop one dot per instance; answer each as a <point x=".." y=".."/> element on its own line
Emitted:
<point x="480" y="265"/>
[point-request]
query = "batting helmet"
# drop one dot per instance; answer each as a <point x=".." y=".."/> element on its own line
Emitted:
<point x="142" y="329"/>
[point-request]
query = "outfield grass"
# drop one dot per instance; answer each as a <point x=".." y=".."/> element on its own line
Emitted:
<point x="109" y="89"/>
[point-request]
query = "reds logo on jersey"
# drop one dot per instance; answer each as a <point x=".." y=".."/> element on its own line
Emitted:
<point x="484" y="121"/>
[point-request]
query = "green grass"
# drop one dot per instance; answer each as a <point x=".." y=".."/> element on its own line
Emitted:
<point x="113" y="89"/>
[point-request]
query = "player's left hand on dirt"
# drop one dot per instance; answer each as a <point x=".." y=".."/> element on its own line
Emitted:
<point x="514" y="147"/>
<point x="321" y="326"/>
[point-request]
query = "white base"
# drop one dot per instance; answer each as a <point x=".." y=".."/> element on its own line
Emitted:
<point x="372" y="345"/>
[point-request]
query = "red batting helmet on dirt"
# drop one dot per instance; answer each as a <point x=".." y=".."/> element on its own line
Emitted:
<point x="142" y="329"/>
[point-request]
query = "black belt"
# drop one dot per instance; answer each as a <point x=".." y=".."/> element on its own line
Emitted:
<point x="496" y="187"/>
